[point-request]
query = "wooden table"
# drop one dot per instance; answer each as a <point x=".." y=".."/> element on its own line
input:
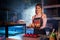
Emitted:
<point x="36" y="38"/>
<point x="31" y="38"/>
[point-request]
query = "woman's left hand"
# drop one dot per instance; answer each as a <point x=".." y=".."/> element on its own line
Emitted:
<point x="41" y="27"/>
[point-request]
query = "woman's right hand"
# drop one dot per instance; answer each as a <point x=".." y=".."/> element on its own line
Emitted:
<point x="32" y="25"/>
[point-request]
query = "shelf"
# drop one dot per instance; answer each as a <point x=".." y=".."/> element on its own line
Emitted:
<point x="55" y="18"/>
<point x="52" y="6"/>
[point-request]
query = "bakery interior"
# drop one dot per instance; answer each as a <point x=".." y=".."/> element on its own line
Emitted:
<point x="16" y="16"/>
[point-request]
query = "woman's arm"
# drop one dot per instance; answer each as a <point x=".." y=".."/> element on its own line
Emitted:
<point x="44" y="17"/>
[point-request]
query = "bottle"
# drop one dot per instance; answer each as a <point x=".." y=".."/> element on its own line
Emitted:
<point x="53" y="35"/>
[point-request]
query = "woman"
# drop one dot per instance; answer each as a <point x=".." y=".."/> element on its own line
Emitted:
<point x="39" y="20"/>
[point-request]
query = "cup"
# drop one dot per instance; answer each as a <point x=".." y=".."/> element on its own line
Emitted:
<point x="47" y="33"/>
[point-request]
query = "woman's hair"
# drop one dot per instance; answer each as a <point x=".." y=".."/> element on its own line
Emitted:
<point x="39" y="5"/>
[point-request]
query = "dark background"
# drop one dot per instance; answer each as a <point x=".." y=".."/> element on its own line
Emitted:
<point x="14" y="7"/>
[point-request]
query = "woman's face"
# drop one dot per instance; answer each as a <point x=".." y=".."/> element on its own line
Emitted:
<point x="38" y="10"/>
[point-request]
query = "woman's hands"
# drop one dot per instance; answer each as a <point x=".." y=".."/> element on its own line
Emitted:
<point x="42" y="27"/>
